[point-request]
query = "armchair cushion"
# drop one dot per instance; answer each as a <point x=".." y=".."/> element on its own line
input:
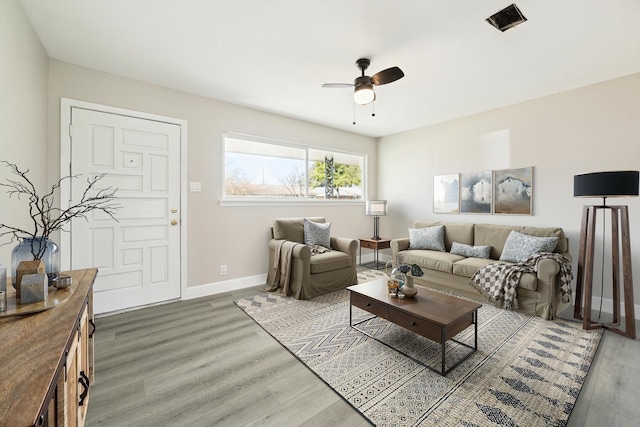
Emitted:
<point x="316" y="233"/>
<point x="329" y="261"/>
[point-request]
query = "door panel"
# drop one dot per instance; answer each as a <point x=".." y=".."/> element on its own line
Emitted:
<point x="138" y="255"/>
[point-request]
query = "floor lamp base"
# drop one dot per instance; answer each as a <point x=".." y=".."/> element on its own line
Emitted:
<point x="584" y="282"/>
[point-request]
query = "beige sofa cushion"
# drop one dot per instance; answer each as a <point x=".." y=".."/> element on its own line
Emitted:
<point x="453" y="232"/>
<point x="329" y="261"/>
<point x="467" y="267"/>
<point x="496" y="236"/>
<point x="434" y="260"/>
<point x="291" y="229"/>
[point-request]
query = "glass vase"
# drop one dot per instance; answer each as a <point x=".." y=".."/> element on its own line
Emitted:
<point x="30" y="249"/>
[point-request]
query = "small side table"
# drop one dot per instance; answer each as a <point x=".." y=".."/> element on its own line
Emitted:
<point x="376" y="245"/>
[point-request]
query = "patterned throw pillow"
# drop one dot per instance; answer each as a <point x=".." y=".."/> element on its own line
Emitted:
<point x="427" y="238"/>
<point x="520" y="246"/>
<point x="317" y="233"/>
<point x="470" y="251"/>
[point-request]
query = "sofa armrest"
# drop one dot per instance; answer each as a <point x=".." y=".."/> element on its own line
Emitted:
<point x="300" y="250"/>
<point x="547" y="268"/>
<point x="549" y="285"/>
<point x="398" y="245"/>
<point x="346" y="245"/>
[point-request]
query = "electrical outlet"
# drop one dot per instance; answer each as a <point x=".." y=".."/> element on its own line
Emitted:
<point x="223" y="269"/>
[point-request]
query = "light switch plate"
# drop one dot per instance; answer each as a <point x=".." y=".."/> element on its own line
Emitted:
<point x="196" y="187"/>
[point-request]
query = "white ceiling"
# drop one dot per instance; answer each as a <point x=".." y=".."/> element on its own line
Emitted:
<point x="274" y="55"/>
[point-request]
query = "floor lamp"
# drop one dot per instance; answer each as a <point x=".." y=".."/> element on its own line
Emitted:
<point x="376" y="208"/>
<point x="606" y="184"/>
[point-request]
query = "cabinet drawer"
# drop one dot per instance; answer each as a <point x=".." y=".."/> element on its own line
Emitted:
<point x="369" y="245"/>
<point x="414" y="324"/>
<point x="383" y="244"/>
<point x="370" y="305"/>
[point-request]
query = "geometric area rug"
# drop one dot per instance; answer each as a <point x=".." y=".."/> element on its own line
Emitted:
<point x="526" y="372"/>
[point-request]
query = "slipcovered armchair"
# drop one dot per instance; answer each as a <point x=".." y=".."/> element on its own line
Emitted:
<point x="302" y="268"/>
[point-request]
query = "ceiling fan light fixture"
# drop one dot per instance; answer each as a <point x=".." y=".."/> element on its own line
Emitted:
<point x="364" y="94"/>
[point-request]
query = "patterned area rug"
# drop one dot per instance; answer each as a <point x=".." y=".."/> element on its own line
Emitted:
<point x="526" y="372"/>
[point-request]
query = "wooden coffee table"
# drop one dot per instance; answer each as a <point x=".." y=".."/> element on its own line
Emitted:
<point x="433" y="315"/>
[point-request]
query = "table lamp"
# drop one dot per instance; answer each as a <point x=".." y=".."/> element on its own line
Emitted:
<point x="376" y="208"/>
<point x="605" y="185"/>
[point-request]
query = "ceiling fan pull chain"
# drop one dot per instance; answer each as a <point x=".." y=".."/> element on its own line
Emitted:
<point x="373" y="105"/>
<point x="354" y="113"/>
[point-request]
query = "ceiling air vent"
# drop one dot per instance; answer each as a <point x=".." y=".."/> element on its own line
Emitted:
<point x="507" y="18"/>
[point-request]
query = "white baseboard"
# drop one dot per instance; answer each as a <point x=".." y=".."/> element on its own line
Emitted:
<point x="607" y="307"/>
<point x="247" y="282"/>
<point x="224" y="286"/>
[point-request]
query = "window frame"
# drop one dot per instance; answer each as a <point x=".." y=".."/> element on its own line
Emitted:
<point x="280" y="201"/>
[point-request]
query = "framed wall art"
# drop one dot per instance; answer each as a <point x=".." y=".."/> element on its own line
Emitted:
<point x="476" y="189"/>
<point x="512" y="191"/>
<point x="446" y="193"/>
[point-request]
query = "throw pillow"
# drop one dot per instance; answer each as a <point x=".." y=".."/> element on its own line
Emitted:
<point x="316" y="233"/>
<point x="520" y="246"/>
<point x="427" y="238"/>
<point x="470" y="251"/>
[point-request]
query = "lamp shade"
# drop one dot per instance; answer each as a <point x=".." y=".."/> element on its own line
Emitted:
<point x="376" y="207"/>
<point x="606" y="184"/>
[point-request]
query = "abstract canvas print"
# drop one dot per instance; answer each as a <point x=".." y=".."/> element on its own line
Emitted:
<point x="513" y="189"/>
<point x="446" y="197"/>
<point x="476" y="192"/>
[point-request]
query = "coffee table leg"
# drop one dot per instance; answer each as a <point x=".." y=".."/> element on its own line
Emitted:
<point x="475" y="321"/>
<point x="443" y="341"/>
<point x="350" y="311"/>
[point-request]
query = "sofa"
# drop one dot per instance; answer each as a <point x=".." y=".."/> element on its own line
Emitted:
<point x="537" y="294"/>
<point x="301" y="267"/>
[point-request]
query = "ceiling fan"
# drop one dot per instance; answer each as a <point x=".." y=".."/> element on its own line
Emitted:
<point x="363" y="86"/>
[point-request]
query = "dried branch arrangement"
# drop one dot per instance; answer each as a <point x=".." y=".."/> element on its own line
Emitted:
<point x="45" y="216"/>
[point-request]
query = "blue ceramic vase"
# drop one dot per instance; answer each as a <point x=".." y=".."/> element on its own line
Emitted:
<point x="30" y="249"/>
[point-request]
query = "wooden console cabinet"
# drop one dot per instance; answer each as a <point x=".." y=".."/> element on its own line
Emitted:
<point x="46" y="361"/>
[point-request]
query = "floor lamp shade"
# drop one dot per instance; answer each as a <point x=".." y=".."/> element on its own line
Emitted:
<point x="606" y="184"/>
<point x="376" y="208"/>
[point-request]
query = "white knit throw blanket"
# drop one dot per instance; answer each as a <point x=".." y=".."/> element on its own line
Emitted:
<point x="499" y="282"/>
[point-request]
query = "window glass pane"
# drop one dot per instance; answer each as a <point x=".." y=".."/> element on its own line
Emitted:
<point x="260" y="169"/>
<point x="335" y="175"/>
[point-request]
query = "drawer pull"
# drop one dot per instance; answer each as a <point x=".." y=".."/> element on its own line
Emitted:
<point x="413" y="324"/>
<point x="93" y="328"/>
<point x="368" y="304"/>
<point x="84" y="382"/>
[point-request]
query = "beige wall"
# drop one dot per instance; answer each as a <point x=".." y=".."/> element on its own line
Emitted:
<point x="24" y="71"/>
<point x="232" y="235"/>
<point x="595" y="128"/>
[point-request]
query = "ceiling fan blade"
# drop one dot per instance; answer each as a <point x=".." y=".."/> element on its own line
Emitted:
<point x="387" y="76"/>
<point x="337" y="85"/>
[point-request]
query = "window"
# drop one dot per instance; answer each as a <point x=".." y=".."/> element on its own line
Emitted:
<point x="260" y="169"/>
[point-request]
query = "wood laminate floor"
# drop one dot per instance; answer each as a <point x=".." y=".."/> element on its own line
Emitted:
<point x="204" y="362"/>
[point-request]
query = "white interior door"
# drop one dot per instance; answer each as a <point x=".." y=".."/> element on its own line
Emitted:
<point x="138" y="256"/>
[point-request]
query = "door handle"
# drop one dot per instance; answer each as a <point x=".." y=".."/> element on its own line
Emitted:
<point x="174" y="222"/>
